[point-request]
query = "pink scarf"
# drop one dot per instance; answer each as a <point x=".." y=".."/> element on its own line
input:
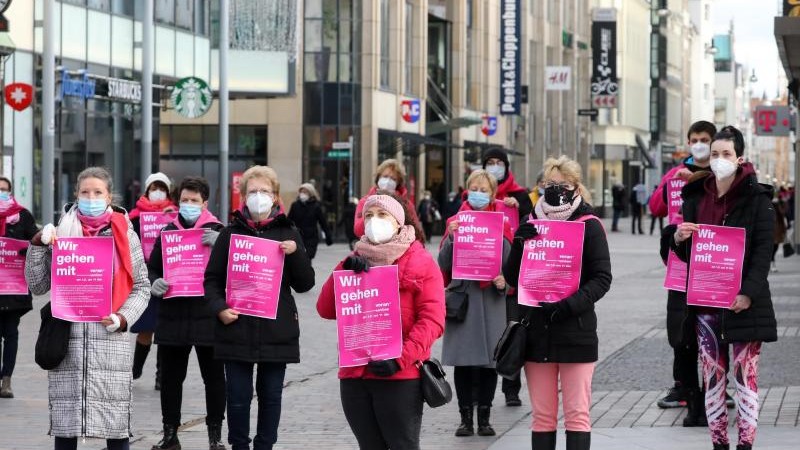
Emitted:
<point x="544" y="210"/>
<point x="93" y="225"/>
<point x="9" y="214"/>
<point x="205" y="217"/>
<point x="388" y="252"/>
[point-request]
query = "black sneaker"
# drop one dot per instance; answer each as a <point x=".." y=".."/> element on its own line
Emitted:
<point x="675" y="398"/>
<point x="513" y="400"/>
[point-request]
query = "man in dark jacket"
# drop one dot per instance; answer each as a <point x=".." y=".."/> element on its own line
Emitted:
<point x="618" y="198"/>
<point x="307" y="214"/>
<point x="185" y="322"/>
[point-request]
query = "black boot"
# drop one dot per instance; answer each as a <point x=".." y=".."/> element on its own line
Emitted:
<point x="139" y="357"/>
<point x="579" y="440"/>
<point x="158" y="371"/>
<point x="484" y="429"/>
<point x="467" y="427"/>
<point x="170" y="440"/>
<point x="543" y="440"/>
<point x="722" y="446"/>
<point x="695" y="410"/>
<point x="744" y="447"/>
<point x="215" y="437"/>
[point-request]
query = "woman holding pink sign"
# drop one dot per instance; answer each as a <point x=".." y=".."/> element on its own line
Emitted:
<point x="17" y="226"/>
<point x="731" y="196"/>
<point x="382" y="400"/>
<point x="90" y="391"/>
<point x="184" y="321"/>
<point x="562" y="342"/>
<point x="469" y="341"/>
<point x="246" y="342"/>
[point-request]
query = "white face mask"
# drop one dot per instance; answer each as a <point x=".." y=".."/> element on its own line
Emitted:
<point x="259" y="204"/>
<point x="387" y="184"/>
<point x="157" y="195"/>
<point x="497" y="171"/>
<point x="700" y="151"/>
<point x="723" y="168"/>
<point x="379" y="231"/>
<point x="303" y="197"/>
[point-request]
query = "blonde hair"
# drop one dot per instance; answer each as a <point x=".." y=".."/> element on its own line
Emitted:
<point x="396" y="166"/>
<point x="480" y="174"/>
<point x="261" y="172"/>
<point x="571" y="171"/>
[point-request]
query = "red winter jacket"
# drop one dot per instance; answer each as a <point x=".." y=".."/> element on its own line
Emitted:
<point x="421" y="306"/>
<point x="358" y="226"/>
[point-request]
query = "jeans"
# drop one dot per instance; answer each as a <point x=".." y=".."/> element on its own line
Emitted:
<point x="175" y="359"/>
<point x="239" y="387"/>
<point x="9" y="335"/>
<point x="383" y="414"/>
<point x="63" y="443"/>
<point x="470" y="380"/>
<point x="615" y="220"/>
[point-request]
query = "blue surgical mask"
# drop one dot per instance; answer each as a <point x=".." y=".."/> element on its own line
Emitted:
<point x="5" y="196"/>
<point x="92" y="206"/>
<point x="478" y="200"/>
<point x="190" y="212"/>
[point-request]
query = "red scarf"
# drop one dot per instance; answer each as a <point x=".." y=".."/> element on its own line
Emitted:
<point x="205" y="217"/>
<point x="508" y="186"/>
<point x="465" y="206"/>
<point x="145" y="205"/>
<point x="123" y="279"/>
<point x="7" y="214"/>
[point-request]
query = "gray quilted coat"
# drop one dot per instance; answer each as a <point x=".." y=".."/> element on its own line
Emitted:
<point x="90" y="391"/>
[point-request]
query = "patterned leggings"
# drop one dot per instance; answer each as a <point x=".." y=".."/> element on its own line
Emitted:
<point x="745" y="372"/>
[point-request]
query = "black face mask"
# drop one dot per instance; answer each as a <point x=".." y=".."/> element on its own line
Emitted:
<point x="557" y="195"/>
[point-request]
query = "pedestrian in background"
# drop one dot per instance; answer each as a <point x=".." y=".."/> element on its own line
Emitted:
<point x="245" y="343"/>
<point x="654" y="217"/>
<point x="538" y="190"/>
<point x="779" y="234"/>
<point x="186" y="322"/>
<point x="469" y="345"/>
<point x="618" y="204"/>
<point x="390" y="176"/>
<point x="428" y="213"/>
<point x="562" y="342"/>
<point x="638" y="200"/>
<point x="90" y="391"/>
<point x="156" y="198"/>
<point x="307" y="215"/>
<point x="347" y="221"/>
<point x="382" y="401"/>
<point x="16" y="222"/>
<point x="732" y="196"/>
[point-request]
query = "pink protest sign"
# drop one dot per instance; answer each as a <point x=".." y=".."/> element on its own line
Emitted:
<point x="674" y="200"/>
<point x="511" y="215"/>
<point x="675" y="279"/>
<point x="81" y="277"/>
<point x="368" y="315"/>
<point x="478" y="245"/>
<point x="255" y="269"/>
<point x="715" y="272"/>
<point x="550" y="270"/>
<point x="150" y="224"/>
<point x="12" y="267"/>
<point x="185" y="258"/>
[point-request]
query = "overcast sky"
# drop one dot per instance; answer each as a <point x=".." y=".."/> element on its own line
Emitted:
<point x="753" y="23"/>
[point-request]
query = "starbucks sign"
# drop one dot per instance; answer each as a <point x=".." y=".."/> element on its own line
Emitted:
<point x="191" y="97"/>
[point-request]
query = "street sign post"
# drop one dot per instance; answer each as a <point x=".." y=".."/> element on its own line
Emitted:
<point x="591" y="112"/>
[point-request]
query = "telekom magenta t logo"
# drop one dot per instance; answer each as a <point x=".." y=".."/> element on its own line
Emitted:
<point x="766" y="119"/>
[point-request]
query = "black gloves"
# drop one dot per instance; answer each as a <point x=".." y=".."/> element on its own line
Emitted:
<point x="524" y="232"/>
<point x="328" y="240"/>
<point x="23" y="251"/>
<point x="356" y="263"/>
<point x="555" y="312"/>
<point x="383" y="368"/>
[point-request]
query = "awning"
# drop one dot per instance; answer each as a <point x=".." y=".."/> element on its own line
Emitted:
<point x="787" y="36"/>
<point x="485" y="146"/>
<point x="644" y="153"/>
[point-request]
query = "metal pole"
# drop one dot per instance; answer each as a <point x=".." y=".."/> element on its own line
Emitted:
<point x="48" y="112"/>
<point x="350" y="176"/>
<point x="147" y="91"/>
<point x="224" y="19"/>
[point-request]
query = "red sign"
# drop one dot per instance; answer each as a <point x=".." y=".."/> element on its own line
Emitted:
<point x="236" y="196"/>
<point x="488" y="125"/>
<point x="773" y="120"/>
<point x="19" y="95"/>
<point x="605" y="101"/>
<point x="410" y="110"/>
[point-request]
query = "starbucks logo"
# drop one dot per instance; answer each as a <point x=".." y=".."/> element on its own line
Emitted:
<point x="191" y="97"/>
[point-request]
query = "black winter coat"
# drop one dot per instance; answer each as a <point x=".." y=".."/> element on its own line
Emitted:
<point x="754" y="212"/>
<point x="572" y="339"/>
<point x="181" y="320"/>
<point x="306" y="216"/>
<point x="23" y="230"/>
<point x="249" y="338"/>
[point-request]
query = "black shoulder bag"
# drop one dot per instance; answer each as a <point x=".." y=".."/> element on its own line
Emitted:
<point x="435" y="388"/>
<point x="456" y="304"/>
<point x="53" y="340"/>
<point x="509" y="354"/>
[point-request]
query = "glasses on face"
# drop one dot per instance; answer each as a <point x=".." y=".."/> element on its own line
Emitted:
<point x="565" y="186"/>
<point x="260" y="191"/>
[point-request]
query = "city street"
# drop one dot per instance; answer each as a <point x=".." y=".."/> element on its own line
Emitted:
<point x="633" y="371"/>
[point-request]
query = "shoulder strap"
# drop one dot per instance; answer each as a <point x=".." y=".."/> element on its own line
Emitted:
<point x="590" y="217"/>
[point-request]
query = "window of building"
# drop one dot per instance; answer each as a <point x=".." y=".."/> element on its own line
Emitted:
<point x="184" y="14"/>
<point x="165" y="11"/>
<point x="384" y="30"/>
<point x="409" y="76"/>
<point x="103" y="5"/>
<point x="123" y="7"/>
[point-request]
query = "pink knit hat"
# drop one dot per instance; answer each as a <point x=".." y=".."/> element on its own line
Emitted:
<point x="388" y="204"/>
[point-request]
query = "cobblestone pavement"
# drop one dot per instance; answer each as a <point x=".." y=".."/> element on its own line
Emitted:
<point x="633" y="371"/>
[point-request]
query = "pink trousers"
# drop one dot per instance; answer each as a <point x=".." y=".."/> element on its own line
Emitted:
<point x="576" y="393"/>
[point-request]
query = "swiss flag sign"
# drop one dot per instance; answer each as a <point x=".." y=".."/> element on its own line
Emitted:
<point x="19" y="95"/>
